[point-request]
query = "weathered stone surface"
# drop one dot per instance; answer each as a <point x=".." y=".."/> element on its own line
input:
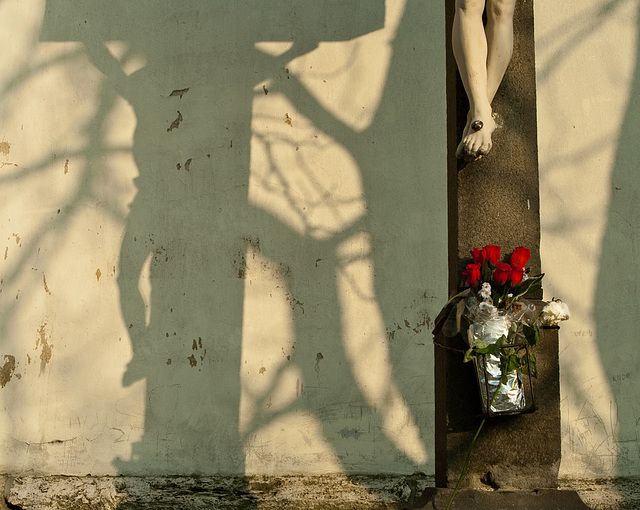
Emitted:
<point x="391" y="492"/>
<point x="495" y="200"/>
<point x="220" y="492"/>
<point x="503" y="500"/>
<point x="511" y="452"/>
<point x="606" y="494"/>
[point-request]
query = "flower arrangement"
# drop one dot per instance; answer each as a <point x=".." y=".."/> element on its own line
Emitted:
<point x="502" y="328"/>
<point x="510" y="280"/>
<point x="502" y="323"/>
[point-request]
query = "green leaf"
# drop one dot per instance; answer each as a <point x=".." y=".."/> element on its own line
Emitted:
<point x="513" y="363"/>
<point x="530" y="284"/>
<point x="479" y="343"/>
<point x="508" y="351"/>
<point x="531" y="334"/>
<point x="530" y="368"/>
<point x="486" y="272"/>
<point x="469" y="355"/>
<point x="490" y="348"/>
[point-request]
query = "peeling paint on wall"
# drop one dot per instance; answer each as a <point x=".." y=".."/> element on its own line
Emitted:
<point x="44" y="281"/>
<point x="5" y="147"/>
<point x="176" y="123"/>
<point x="7" y="370"/>
<point x="179" y="92"/>
<point x="45" y="355"/>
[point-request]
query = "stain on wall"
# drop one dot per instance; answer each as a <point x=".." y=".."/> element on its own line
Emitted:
<point x="46" y="348"/>
<point x="5" y="148"/>
<point x="7" y="369"/>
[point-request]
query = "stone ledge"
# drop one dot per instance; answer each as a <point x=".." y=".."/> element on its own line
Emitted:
<point x="607" y="493"/>
<point x="470" y="499"/>
<point x="337" y="491"/>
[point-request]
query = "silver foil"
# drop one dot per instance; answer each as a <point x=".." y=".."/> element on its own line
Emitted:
<point x="510" y="397"/>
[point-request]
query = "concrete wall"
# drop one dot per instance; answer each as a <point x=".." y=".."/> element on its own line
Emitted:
<point x="589" y="127"/>
<point x="223" y="235"/>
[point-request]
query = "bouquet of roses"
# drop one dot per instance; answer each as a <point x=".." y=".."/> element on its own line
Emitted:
<point x="496" y="289"/>
<point x="499" y="317"/>
<point x="510" y="281"/>
<point x="504" y="282"/>
<point x="502" y="327"/>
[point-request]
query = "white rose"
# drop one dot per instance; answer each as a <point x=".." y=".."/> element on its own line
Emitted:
<point x="554" y="312"/>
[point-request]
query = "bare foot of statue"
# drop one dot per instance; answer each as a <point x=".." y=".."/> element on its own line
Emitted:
<point x="476" y="137"/>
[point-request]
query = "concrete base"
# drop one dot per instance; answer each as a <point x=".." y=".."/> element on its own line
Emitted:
<point x="321" y="492"/>
<point x="468" y="499"/>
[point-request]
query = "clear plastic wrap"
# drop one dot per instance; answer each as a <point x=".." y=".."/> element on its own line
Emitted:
<point x="510" y="397"/>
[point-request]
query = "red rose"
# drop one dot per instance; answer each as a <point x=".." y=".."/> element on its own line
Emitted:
<point x="491" y="253"/>
<point x="520" y="257"/>
<point x="502" y="273"/>
<point x="473" y="274"/>
<point x="516" y="275"/>
<point x="478" y="258"/>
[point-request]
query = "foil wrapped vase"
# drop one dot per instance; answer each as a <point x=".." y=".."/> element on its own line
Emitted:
<point x="510" y="397"/>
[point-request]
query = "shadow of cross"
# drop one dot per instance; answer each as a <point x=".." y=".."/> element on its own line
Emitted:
<point x="188" y="70"/>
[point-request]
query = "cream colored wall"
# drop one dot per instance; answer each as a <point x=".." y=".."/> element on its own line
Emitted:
<point x="589" y="126"/>
<point x="240" y="277"/>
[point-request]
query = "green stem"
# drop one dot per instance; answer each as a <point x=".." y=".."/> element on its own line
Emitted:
<point x="466" y="463"/>
<point x="473" y="442"/>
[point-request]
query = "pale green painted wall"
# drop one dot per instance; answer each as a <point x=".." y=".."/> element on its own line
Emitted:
<point x="589" y="127"/>
<point x="323" y="187"/>
<point x="224" y="254"/>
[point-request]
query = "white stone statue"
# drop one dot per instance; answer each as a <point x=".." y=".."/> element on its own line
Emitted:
<point x="482" y="54"/>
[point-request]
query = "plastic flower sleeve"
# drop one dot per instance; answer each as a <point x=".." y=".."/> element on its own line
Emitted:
<point x="510" y="396"/>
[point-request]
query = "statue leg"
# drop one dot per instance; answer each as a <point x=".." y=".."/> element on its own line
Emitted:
<point x="499" y="31"/>
<point x="470" y="48"/>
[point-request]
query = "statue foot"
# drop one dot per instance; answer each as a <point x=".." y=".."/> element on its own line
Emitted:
<point x="476" y="138"/>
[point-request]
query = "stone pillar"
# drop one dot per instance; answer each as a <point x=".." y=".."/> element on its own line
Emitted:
<point x="511" y="452"/>
<point x="496" y="201"/>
